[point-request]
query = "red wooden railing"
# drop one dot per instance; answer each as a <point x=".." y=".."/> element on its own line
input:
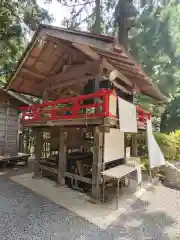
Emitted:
<point x="76" y="108"/>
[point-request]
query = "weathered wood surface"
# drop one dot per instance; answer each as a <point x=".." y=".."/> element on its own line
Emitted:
<point x="62" y="158"/>
<point x="48" y="169"/>
<point x="78" y="177"/>
<point x="108" y="122"/>
<point x="17" y="158"/>
<point x="9" y="123"/>
<point x="97" y="163"/>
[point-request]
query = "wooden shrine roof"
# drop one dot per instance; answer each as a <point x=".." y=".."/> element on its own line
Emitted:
<point x="61" y="61"/>
<point x="15" y="96"/>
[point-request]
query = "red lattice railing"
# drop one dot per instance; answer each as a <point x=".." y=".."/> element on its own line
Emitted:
<point x="82" y="106"/>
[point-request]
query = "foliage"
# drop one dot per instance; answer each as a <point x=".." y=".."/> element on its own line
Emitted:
<point x="176" y="137"/>
<point x="170" y="120"/>
<point x="152" y="45"/>
<point x="17" y="20"/>
<point x="167" y="145"/>
<point x="148" y="28"/>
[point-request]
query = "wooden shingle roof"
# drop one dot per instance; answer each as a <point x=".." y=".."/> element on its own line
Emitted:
<point x="59" y="60"/>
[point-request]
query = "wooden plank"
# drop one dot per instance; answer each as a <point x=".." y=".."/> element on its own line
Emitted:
<point x="71" y="82"/>
<point x="80" y="168"/>
<point x="122" y="77"/>
<point x="125" y="67"/>
<point x="12" y="131"/>
<point x="97" y="163"/>
<point x="49" y="169"/>
<point x="77" y="177"/>
<point x="6" y="130"/>
<point x="119" y="171"/>
<point x="62" y="158"/>
<point x="118" y="58"/>
<point x="79" y="38"/>
<point x="33" y="74"/>
<point x="74" y="123"/>
<point x="17" y="158"/>
<point x="3" y="126"/>
<point x="134" y="145"/>
<point x="66" y="48"/>
<point x="87" y="50"/>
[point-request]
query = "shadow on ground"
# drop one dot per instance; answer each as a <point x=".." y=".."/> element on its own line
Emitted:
<point x="140" y="224"/>
<point x="171" y="186"/>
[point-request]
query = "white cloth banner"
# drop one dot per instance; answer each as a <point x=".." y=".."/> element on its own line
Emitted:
<point x="127" y="116"/>
<point x="156" y="157"/>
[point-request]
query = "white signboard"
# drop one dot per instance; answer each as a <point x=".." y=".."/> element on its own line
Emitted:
<point x="156" y="157"/>
<point x="127" y="116"/>
<point x="113" y="145"/>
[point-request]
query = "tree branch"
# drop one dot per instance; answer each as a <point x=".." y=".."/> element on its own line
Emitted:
<point x="80" y="4"/>
<point x="85" y="19"/>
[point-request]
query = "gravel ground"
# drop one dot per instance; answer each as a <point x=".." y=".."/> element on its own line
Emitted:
<point x="26" y="215"/>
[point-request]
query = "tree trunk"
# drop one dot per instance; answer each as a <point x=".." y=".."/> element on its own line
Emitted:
<point x="97" y="26"/>
<point x="122" y="28"/>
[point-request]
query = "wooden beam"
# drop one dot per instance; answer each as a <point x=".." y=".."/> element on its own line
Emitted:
<point x="33" y="75"/>
<point x="115" y="57"/>
<point x="129" y="69"/>
<point x="119" y="86"/>
<point x="116" y="74"/>
<point x="87" y="51"/>
<point x="68" y="49"/>
<point x="111" y="68"/>
<point x="124" y="66"/>
<point x="77" y="72"/>
<point x="71" y="82"/>
<point x="135" y="76"/>
<point x="49" y="169"/>
<point x="77" y="177"/>
<point x="82" y="38"/>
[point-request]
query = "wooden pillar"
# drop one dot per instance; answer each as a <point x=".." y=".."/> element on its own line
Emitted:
<point x="97" y="85"/>
<point x="62" y="158"/>
<point x="97" y="164"/>
<point x="38" y="152"/>
<point x="134" y="150"/>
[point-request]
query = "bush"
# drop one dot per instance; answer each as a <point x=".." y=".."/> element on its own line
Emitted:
<point x="167" y="145"/>
<point x="176" y="137"/>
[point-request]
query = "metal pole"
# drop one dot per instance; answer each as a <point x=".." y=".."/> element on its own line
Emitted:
<point x="117" y="194"/>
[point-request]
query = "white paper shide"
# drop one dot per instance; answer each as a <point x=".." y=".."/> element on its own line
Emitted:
<point x="156" y="157"/>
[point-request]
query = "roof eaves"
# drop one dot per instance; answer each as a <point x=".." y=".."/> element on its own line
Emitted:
<point x="104" y="38"/>
<point x="23" y="56"/>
